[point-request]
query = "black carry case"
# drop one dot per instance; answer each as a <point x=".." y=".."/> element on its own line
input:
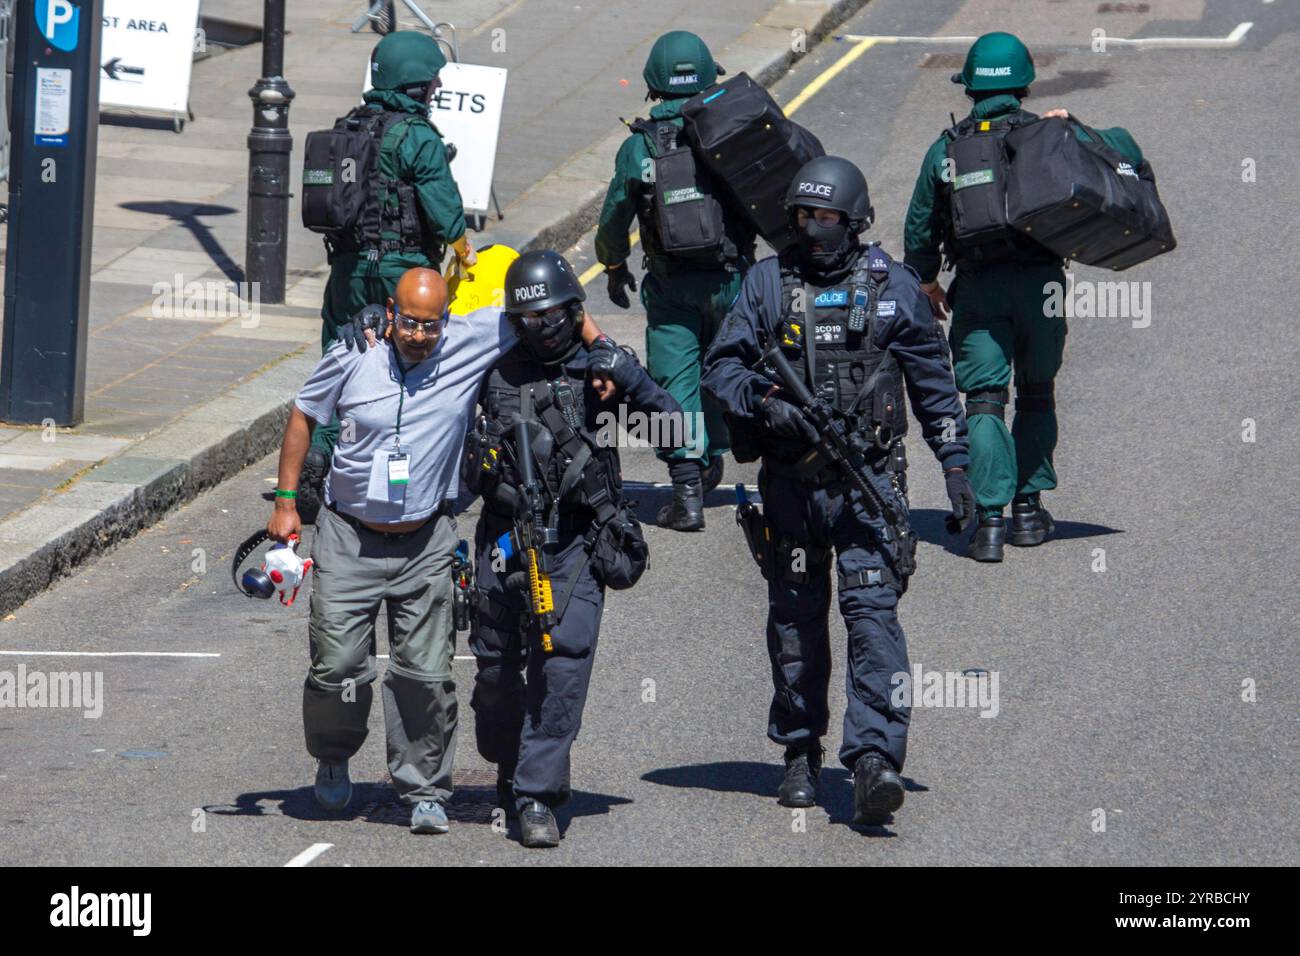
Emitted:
<point x="742" y="137"/>
<point x="688" y="216"/>
<point x="1081" y="199"/>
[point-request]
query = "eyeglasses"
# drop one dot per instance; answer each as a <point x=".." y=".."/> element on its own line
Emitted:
<point x="429" y="327"/>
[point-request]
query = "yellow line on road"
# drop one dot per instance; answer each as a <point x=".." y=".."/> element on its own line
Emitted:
<point x="808" y="92"/>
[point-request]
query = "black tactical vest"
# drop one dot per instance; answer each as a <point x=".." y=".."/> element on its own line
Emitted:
<point x="582" y="474"/>
<point x="828" y="334"/>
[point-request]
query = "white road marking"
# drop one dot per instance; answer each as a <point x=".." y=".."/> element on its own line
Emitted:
<point x="106" y="654"/>
<point x="1143" y="43"/>
<point x="309" y="854"/>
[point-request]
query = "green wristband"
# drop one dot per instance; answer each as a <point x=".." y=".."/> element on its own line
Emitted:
<point x="281" y="493"/>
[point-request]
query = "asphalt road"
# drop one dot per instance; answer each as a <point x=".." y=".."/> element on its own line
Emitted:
<point x="1120" y="690"/>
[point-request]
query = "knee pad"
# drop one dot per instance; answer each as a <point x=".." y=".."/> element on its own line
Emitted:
<point x="988" y="401"/>
<point x="1036" y="397"/>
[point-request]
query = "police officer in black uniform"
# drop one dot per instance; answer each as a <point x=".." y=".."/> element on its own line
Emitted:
<point x="533" y="671"/>
<point x="856" y="328"/>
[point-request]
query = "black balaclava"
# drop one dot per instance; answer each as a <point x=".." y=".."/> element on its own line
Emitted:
<point x="563" y="331"/>
<point x="827" y="251"/>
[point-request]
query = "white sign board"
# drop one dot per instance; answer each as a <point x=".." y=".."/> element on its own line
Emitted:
<point x="147" y="52"/>
<point x="467" y="111"/>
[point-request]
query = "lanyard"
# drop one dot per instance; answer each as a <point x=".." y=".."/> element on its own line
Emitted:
<point x="401" y="400"/>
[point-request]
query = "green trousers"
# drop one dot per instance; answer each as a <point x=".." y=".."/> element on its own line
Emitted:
<point x="999" y="324"/>
<point x="355" y="283"/>
<point x="684" y="311"/>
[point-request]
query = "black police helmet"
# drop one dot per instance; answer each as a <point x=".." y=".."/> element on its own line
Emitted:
<point x="541" y="280"/>
<point x="831" y="182"/>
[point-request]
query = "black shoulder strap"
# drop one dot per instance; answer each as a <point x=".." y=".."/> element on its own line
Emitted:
<point x="792" y="322"/>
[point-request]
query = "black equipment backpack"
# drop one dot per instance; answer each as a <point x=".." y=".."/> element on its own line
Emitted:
<point x="743" y="138"/>
<point x="344" y="193"/>
<point x="686" y="214"/>
<point x="977" y="169"/>
<point x="1083" y="200"/>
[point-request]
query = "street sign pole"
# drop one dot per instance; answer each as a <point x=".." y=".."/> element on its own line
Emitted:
<point x="269" y="146"/>
<point x="51" y="211"/>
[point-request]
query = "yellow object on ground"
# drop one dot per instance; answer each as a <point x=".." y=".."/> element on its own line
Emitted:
<point x="483" y="283"/>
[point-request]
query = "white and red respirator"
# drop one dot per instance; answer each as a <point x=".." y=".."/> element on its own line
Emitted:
<point x="282" y="571"/>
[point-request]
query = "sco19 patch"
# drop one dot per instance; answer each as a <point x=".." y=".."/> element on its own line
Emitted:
<point x="830" y="333"/>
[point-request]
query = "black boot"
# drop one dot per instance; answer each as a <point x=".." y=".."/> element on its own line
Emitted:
<point x="877" y="790"/>
<point x="711" y="476"/>
<point x="686" y="511"/>
<point x="506" y="791"/>
<point x="311" y="485"/>
<point x="802" y="765"/>
<point x="1030" y="522"/>
<point x="989" y="538"/>
<point x="537" y="825"/>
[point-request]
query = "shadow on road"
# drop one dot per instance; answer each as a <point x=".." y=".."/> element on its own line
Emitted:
<point x="377" y="803"/>
<point x="189" y="215"/>
<point x="929" y="526"/>
<point x="834" y="791"/>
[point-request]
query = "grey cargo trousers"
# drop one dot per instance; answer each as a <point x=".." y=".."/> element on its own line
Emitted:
<point x="357" y="569"/>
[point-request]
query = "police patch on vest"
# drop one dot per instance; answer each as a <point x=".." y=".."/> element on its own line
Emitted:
<point x="980" y="177"/>
<point x="684" y="194"/>
<point x="831" y="298"/>
<point x="527" y="293"/>
<point x="830" y="333"/>
<point x="887" y="307"/>
<point x="820" y="190"/>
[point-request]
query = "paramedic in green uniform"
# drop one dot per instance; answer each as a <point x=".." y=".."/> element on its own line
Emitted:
<point x="419" y="203"/>
<point x="685" y="301"/>
<point x="998" y="315"/>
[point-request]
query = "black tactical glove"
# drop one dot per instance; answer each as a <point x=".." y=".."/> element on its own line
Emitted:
<point x="353" y="333"/>
<point x="618" y="281"/>
<point x="962" y="496"/>
<point x="787" y="421"/>
<point x="613" y="361"/>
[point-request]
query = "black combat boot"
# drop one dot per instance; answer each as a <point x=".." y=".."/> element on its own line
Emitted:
<point x="686" y="511"/>
<point x="989" y="538"/>
<point x="877" y="789"/>
<point x="311" y="485"/>
<point x="506" y="791"/>
<point x="802" y="765"/>
<point x="1030" y="522"/>
<point x="537" y="825"/>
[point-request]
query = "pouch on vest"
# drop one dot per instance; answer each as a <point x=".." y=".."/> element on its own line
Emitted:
<point x="688" y="217"/>
<point x="1083" y="200"/>
<point x="742" y="137"/>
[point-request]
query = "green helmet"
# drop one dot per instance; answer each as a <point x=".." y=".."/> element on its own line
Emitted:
<point x="997" y="61"/>
<point x="680" y="64"/>
<point x="405" y="58"/>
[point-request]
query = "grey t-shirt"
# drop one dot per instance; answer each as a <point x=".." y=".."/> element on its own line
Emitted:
<point x="363" y="387"/>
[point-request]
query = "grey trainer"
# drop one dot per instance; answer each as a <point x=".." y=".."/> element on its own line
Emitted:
<point x="428" y="816"/>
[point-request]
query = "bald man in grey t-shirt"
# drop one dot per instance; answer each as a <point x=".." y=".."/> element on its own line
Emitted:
<point x="387" y="535"/>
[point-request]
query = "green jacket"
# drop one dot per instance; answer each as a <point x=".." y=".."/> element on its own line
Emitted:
<point x="927" y="214"/>
<point x="421" y="159"/>
<point x="631" y="181"/>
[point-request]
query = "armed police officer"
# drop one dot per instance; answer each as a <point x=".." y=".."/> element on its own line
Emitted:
<point x="997" y="298"/>
<point x="554" y="533"/>
<point x="812" y="367"/>
<point x="411" y="211"/>
<point x="686" y="293"/>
